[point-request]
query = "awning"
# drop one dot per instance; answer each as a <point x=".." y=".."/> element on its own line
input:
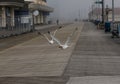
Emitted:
<point x="33" y="6"/>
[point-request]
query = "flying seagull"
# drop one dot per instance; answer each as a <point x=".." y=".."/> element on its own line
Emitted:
<point x="66" y="44"/>
<point x="51" y="41"/>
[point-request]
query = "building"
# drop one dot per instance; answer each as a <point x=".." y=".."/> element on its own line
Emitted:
<point x="14" y="12"/>
<point x="96" y="14"/>
<point x="19" y="16"/>
<point x="117" y="15"/>
<point x="7" y="11"/>
<point x="40" y="7"/>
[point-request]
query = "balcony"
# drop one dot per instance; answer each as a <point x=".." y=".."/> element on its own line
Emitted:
<point x="18" y="3"/>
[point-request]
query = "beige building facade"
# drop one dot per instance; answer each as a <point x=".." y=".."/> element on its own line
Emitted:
<point x="42" y="8"/>
<point x="13" y="10"/>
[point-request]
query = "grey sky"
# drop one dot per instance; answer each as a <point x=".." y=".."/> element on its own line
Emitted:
<point x="69" y="9"/>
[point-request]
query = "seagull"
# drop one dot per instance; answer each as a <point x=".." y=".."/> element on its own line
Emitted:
<point x="51" y="41"/>
<point x="66" y="45"/>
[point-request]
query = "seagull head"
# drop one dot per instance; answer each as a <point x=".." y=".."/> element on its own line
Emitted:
<point x="63" y="47"/>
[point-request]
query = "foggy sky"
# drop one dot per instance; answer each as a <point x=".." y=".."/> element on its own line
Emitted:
<point x="71" y="9"/>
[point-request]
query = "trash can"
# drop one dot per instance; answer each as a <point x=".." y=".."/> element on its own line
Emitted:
<point x="107" y="26"/>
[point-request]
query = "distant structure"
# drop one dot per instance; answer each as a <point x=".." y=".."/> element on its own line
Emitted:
<point x="42" y="8"/>
<point x="96" y="13"/>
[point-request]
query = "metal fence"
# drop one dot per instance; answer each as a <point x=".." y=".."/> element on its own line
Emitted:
<point x="16" y="26"/>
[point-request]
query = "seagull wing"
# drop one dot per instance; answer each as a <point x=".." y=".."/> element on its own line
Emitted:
<point x="55" y="32"/>
<point x="55" y="39"/>
<point x="46" y="37"/>
<point x="71" y="35"/>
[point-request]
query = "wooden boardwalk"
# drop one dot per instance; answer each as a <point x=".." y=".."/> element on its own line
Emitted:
<point x="96" y="54"/>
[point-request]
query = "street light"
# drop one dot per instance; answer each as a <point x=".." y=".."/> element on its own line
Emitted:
<point x="107" y="10"/>
<point x="79" y="15"/>
<point x="113" y="15"/>
<point x="101" y="2"/>
<point x="35" y="13"/>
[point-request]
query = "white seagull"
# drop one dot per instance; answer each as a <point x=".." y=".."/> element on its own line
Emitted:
<point x="51" y="41"/>
<point x="66" y="45"/>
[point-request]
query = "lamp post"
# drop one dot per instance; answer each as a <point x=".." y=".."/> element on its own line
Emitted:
<point x="103" y="13"/>
<point x="79" y="15"/>
<point x="92" y="12"/>
<point x="113" y="14"/>
<point x="35" y="13"/>
<point x="107" y="12"/>
<point x="99" y="11"/>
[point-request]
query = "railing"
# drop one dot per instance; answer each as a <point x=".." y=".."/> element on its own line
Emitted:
<point x="19" y="25"/>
